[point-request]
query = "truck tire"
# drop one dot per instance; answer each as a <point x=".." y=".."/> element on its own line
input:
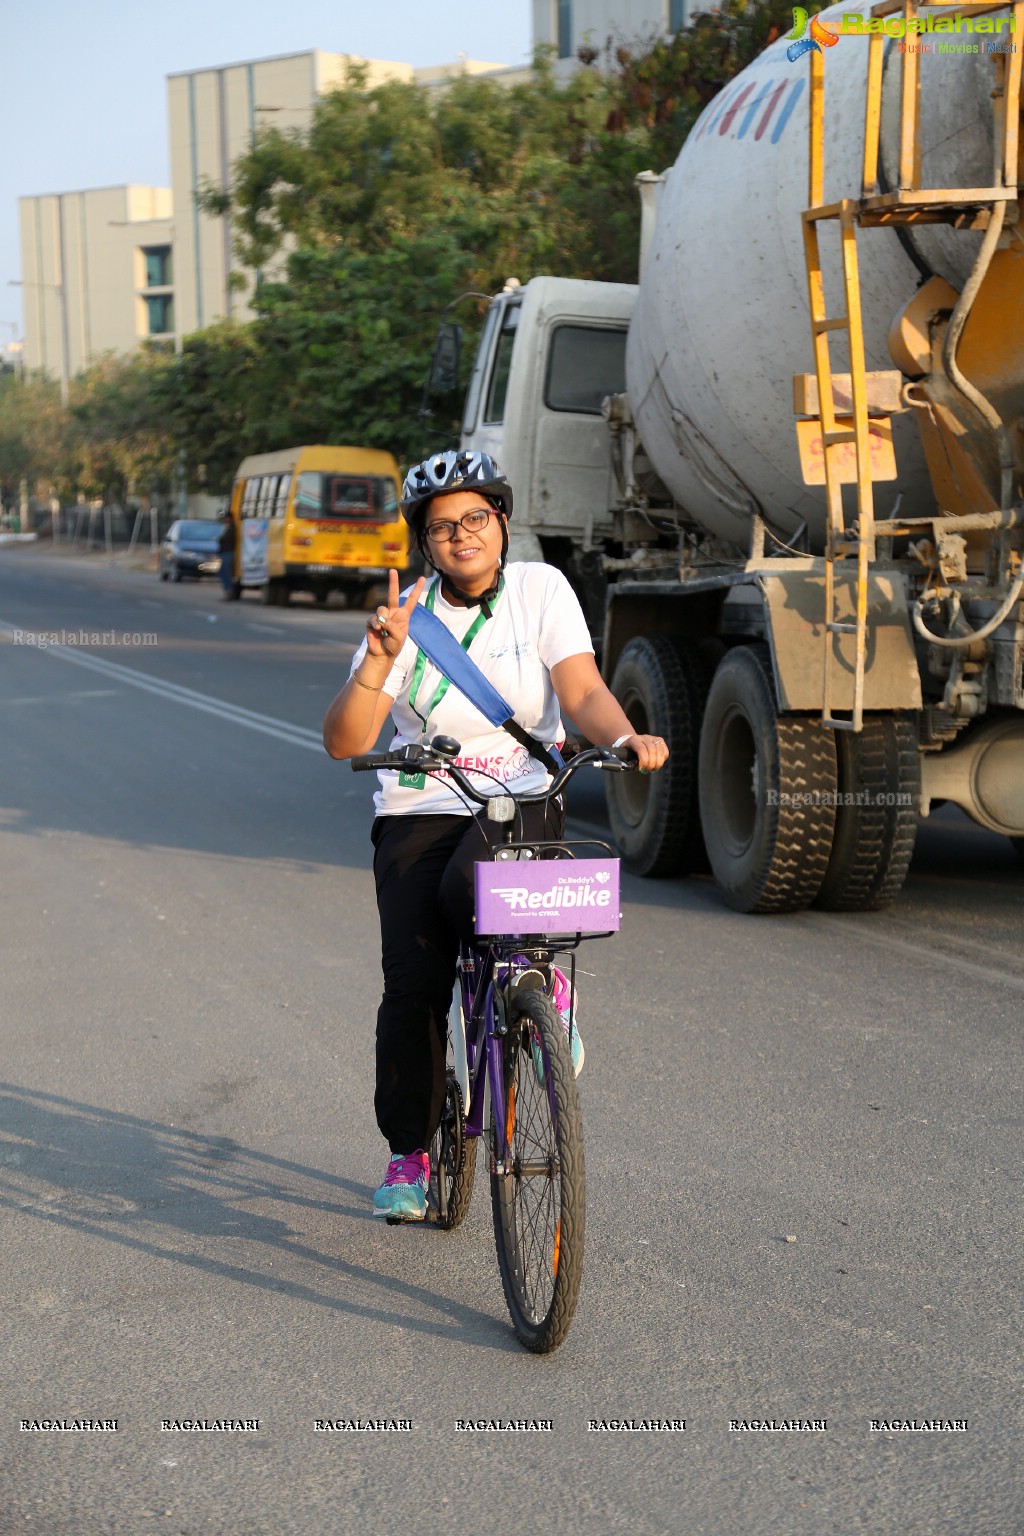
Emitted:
<point x="651" y="814"/>
<point x="873" y="842"/>
<point x="699" y="661"/>
<point x="767" y="790"/>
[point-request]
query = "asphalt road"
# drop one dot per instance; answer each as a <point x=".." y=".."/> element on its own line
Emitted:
<point x="804" y="1147"/>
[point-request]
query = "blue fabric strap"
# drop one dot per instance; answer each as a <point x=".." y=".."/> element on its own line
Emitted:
<point x="440" y="645"/>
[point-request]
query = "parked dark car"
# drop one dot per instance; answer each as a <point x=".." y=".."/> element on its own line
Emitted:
<point x="190" y="549"/>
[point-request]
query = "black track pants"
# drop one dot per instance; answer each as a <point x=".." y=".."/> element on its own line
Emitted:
<point x="423" y="866"/>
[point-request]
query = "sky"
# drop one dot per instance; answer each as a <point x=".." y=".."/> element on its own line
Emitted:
<point x="83" y="93"/>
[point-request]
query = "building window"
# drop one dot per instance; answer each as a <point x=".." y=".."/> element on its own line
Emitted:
<point x="157" y="260"/>
<point x="564" y="29"/>
<point x="160" y="314"/>
<point x="676" y="15"/>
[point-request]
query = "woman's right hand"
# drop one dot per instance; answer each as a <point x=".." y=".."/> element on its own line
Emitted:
<point x="387" y="631"/>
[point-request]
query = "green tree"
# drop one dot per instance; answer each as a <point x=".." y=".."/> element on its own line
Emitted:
<point x="119" y="438"/>
<point x="666" y="86"/>
<point x="210" y="396"/>
<point x="491" y="163"/>
<point x="35" y="439"/>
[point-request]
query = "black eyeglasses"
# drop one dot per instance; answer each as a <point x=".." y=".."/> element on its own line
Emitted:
<point x="443" y="533"/>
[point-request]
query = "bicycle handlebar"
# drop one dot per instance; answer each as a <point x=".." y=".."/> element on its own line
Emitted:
<point x="416" y="758"/>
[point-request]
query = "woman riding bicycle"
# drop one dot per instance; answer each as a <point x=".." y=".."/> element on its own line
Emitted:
<point x="523" y="627"/>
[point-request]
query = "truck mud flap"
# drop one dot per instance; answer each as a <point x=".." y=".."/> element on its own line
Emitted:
<point x="795" y="603"/>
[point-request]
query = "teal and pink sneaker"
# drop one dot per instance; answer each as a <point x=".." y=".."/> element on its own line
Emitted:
<point x="564" y="998"/>
<point x="403" y="1195"/>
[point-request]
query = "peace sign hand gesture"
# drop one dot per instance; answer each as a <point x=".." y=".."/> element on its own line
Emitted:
<point x="386" y="632"/>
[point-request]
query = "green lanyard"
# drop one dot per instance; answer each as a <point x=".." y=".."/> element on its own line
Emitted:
<point x="418" y="780"/>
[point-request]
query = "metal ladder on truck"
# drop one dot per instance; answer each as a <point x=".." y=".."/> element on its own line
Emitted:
<point x="909" y="203"/>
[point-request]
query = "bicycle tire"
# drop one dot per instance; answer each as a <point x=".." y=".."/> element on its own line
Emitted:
<point x="539" y="1216"/>
<point x="452" y="1162"/>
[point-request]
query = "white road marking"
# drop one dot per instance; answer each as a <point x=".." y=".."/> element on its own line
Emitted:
<point x="62" y="698"/>
<point x="297" y="735"/>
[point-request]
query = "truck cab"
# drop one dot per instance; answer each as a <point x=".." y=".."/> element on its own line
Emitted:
<point x="549" y="354"/>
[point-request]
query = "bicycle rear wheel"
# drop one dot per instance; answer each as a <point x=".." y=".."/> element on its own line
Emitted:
<point x="452" y="1162"/>
<point x="538" y="1198"/>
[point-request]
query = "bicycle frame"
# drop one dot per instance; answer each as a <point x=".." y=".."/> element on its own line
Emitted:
<point x="478" y="1028"/>
<point x="482" y="1025"/>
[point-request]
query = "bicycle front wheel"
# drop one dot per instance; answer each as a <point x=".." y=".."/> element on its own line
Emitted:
<point x="538" y="1192"/>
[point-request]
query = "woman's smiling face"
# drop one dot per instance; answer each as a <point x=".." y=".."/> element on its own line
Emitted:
<point x="470" y="558"/>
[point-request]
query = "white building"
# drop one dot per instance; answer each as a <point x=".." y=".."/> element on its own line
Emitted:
<point x="568" y="25"/>
<point x="97" y="274"/>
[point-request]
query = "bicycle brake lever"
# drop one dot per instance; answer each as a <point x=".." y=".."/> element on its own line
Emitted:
<point x="619" y="760"/>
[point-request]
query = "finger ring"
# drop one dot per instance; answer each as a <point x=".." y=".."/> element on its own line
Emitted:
<point x="382" y="615"/>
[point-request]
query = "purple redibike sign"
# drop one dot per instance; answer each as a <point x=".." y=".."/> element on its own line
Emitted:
<point x="547" y="896"/>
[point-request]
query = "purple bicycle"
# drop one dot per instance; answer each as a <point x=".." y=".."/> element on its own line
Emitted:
<point x="510" y="1074"/>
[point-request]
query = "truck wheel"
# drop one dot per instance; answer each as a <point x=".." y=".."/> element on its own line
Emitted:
<point x="651" y="814"/>
<point x="767" y="790"/>
<point x="699" y="667"/>
<point x="874" y="841"/>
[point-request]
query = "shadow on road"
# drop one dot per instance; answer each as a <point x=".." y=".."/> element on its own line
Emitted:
<point x="167" y="1193"/>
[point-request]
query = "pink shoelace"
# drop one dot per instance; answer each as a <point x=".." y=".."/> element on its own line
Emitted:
<point x="406" y="1170"/>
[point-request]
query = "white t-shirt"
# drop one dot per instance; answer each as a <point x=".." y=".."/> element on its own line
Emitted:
<point x="536" y="623"/>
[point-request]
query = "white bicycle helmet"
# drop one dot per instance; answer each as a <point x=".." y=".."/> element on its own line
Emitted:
<point x="454" y="470"/>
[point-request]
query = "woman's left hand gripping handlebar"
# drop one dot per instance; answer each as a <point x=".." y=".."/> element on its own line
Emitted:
<point x="651" y="752"/>
<point x="386" y="632"/>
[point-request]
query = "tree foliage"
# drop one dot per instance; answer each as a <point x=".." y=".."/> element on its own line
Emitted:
<point x="34" y="439"/>
<point x="119" y="436"/>
<point x="666" y="86"/>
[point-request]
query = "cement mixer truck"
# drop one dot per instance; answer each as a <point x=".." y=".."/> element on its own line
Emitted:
<point x="783" y="471"/>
